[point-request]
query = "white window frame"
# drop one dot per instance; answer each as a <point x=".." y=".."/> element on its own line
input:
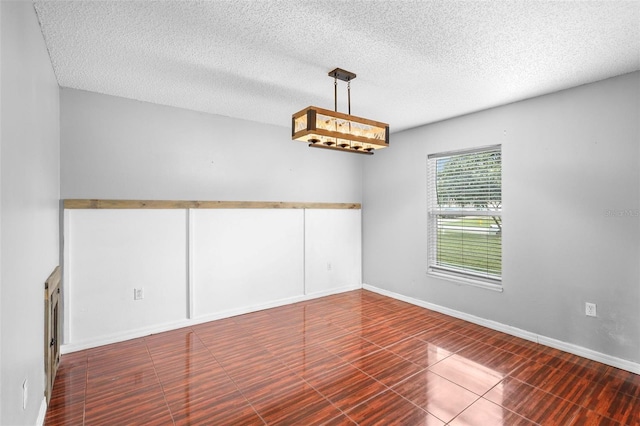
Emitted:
<point x="482" y="279"/>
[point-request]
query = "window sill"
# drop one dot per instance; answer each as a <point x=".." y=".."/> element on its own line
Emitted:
<point x="464" y="280"/>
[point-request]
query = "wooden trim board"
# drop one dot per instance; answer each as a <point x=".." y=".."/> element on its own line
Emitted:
<point x="183" y="204"/>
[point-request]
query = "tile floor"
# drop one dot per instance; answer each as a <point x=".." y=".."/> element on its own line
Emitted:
<point x="352" y="358"/>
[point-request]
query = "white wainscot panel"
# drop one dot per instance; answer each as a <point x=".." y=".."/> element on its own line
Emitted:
<point x="332" y="250"/>
<point x="110" y="253"/>
<point x="245" y="258"/>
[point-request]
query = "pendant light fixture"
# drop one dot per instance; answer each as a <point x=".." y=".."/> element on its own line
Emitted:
<point x="323" y="128"/>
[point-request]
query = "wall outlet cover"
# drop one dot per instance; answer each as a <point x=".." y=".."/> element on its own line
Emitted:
<point x="138" y="294"/>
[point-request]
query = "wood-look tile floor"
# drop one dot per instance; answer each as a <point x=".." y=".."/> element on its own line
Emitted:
<point x="352" y="358"/>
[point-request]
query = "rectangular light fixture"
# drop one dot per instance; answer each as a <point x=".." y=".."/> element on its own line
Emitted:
<point x="323" y="128"/>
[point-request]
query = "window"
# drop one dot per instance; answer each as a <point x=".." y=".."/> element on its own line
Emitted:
<point x="465" y="215"/>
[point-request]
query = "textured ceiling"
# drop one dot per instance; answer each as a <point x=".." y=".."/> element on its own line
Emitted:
<point x="416" y="61"/>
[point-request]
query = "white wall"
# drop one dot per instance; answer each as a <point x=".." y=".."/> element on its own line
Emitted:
<point x="113" y="252"/>
<point x="124" y="149"/>
<point x="239" y="260"/>
<point x="245" y="258"/>
<point x="568" y="158"/>
<point x="118" y="148"/>
<point x="198" y="265"/>
<point x="334" y="260"/>
<point x="29" y="155"/>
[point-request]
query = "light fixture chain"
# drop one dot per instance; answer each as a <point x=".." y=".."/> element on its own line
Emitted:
<point x="349" y="95"/>
<point x="335" y="94"/>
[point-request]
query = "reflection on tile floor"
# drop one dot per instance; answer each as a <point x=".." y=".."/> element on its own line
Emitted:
<point x="352" y="358"/>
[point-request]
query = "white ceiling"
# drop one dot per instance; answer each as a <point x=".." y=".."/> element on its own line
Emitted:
<point x="416" y="61"/>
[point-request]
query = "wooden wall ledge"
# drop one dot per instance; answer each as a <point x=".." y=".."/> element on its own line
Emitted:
<point x="179" y="204"/>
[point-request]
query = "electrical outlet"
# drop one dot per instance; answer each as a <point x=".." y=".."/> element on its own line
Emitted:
<point x="138" y="294"/>
<point x="590" y="309"/>
<point x="328" y="266"/>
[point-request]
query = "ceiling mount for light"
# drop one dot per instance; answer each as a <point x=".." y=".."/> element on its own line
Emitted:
<point x="323" y="128"/>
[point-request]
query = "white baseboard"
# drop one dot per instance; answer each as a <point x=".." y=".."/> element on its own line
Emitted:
<point x="336" y="290"/>
<point x="142" y="332"/>
<point x="121" y="337"/>
<point x="543" y="340"/>
<point x="274" y="304"/>
<point x="42" y="413"/>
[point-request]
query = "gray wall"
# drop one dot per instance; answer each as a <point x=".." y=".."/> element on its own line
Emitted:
<point x="29" y="154"/>
<point x="568" y="159"/>
<point x="118" y="148"/>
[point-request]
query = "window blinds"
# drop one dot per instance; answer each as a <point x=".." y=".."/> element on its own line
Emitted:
<point x="465" y="213"/>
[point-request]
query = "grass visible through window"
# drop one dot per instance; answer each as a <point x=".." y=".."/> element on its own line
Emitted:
<point x="473" y="243"/>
